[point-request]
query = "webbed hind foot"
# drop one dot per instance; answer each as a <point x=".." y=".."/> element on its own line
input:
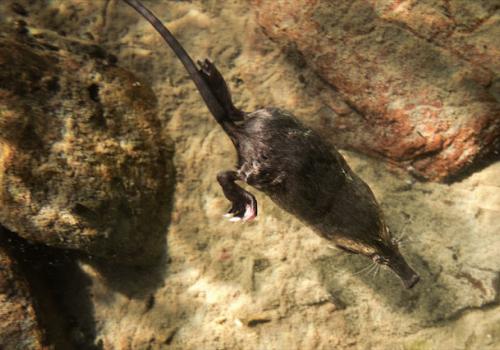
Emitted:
<point x="219" y="88"/>
<point x="244" y="204"/>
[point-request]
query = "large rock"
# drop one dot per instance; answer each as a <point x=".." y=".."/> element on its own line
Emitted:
<point x="273" y="283"/>
<point x="19" y="327"/>
<point x="83" y="162"/>
<point x="428" y="104"/>
<point x="468" y="29"/>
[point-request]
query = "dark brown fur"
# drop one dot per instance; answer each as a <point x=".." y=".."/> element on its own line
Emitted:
<point x="298" y="170"/>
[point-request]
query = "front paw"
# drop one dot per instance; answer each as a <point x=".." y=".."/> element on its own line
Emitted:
<point x="243" y="210"/>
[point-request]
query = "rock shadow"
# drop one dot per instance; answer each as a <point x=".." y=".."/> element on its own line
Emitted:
<point x="62" y="289"/>
<point x="48" y="272"/>
<point x="140" y="281"/>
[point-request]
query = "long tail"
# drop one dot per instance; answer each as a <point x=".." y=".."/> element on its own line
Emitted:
<point x="208" y="80"/>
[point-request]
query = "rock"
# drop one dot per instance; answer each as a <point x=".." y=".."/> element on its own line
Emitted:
<point x="83" y="162"/>
<point x="223" y="281"/>
<point x="19" y="327"/>
<point x="467" y="29"/>
<point x="420" y="80"/>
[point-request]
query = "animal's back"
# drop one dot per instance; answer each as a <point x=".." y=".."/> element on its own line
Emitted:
<point x="290" y="163"/>
<point x="294" y="166"/>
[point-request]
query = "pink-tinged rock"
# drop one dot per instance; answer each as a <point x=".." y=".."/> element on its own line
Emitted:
<point x="420" y="80"/>
<point x="469" y="29"/>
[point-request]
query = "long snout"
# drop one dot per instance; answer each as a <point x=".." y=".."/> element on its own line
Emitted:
<point x="407" y="275"/>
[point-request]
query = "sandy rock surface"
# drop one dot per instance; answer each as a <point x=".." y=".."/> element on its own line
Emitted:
<point x="19" y="327"/>
<point x="273" y="284"/>
<point x="84" y="163"/>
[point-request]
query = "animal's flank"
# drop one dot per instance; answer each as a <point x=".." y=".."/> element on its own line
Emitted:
<point x="295" y="167"/>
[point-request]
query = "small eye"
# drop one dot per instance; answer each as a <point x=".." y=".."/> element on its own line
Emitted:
<point x="379" y="259"/>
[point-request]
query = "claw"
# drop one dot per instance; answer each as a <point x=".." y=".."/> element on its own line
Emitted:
<point x="243" y="203"/>
<point x="249" y="213"/>
<point x="203" y="67"/>
<point x="235" y="215"/>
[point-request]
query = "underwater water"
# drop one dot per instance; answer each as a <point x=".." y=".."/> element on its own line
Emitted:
<point x="112" y="229"/>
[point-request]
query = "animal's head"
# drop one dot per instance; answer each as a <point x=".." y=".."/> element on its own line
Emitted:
<point x="382" y="249"/>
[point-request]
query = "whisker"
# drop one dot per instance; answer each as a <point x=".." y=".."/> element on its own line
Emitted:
<point x="367" y="267"/>
<point x="404" y="235"/>
<point x="373" y="268"/>
<point x="375" y="271"/>
<point x="362" y="269"/>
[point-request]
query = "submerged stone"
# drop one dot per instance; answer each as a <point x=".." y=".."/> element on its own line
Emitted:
<point x="83" y="163"/>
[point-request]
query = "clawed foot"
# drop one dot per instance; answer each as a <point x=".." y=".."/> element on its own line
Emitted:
<point x="244" y="204"/>
<point x="206" y="67"/>
<point x="243" y="211"/>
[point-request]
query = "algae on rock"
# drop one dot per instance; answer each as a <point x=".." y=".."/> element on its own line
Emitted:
<point x="84" y="164"/>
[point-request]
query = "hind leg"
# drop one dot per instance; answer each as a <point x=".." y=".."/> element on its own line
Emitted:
<point x="219" y="88"/>
<point x="244" y="204"/>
